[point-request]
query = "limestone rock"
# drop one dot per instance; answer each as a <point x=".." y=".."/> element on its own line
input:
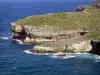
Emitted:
<point x="18" y="28"/>
<point x="27" y="40"/>
<point x="84" y="46"/>
<point x="43" y="49"/>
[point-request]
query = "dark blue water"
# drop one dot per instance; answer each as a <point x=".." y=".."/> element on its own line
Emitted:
<point x="13" y="61"/>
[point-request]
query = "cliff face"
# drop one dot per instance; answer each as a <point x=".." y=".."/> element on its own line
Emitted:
<point x="95" y="5"/>
<point x="18" y="31"/>
<point x="51" y="40"/>
<point x="42" y="33"/>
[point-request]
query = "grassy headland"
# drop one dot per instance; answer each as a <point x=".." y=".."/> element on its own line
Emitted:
<point x="88" y="20"/>
<point x="76" y="20"/>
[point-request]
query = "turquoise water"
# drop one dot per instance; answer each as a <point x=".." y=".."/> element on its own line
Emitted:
<point x="15" y="59"/>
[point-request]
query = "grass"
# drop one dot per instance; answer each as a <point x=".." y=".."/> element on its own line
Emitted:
<point x="82" y="20"/>
<point x="89" y="20"/>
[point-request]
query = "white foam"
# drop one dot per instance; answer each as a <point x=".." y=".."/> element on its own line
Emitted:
<point x="68" y="56"/>
<point x="73" y="55"/>
<point x="60" y="53"/>
<point x="29" y="52"/>
<point x="4" y="38"/>
<point x="19" y="41"/>
<point x="97" y="58"/>
<point x="63" y="57"/>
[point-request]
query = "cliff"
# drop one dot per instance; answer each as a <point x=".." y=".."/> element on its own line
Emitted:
<point x="94" y="5"/>
<point x="60" y="32"/>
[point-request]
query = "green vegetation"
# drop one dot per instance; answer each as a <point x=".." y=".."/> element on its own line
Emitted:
<point x="77" y="20"/>
<point x="89" y="20"/>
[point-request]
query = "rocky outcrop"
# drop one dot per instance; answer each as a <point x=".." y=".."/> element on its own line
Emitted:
<point x="82" y="47"/>
<point x="87" y="46"/>
<point x="18" y="31"/>
<point x="53" y="40"/>
<point x="30" y="33"/>
<point x="95" y="5"/>
<point x="74" y="47"/>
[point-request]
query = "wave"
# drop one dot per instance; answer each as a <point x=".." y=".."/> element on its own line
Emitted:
<point x="5" y="34"/>
<point x="61" y="55"/>
<point x="29" y="52"/>
<point x="97" y="58"/>
<point x="19" y="41"/>
<point x="52" y="55"/>
<point x="4" y="38"/>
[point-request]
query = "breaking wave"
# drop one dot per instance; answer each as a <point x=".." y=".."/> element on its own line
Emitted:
<point x="52" y="55"/>
<point x="19" y="41"/>
<point x="61" y="55"/>
<point x="29" y="52"/>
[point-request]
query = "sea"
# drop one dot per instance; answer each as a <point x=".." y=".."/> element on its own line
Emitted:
<point x="15" y="57"/>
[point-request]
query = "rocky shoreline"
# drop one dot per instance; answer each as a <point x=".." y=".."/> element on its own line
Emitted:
<point x="95" y="5"/>
<point x="51" y="39"/>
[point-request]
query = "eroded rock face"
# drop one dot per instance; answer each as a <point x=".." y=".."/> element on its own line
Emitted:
<point x="52" y="41"/>
<point x="88" y="46"/>
<point x="95" y="5"/>
<point x="95" y="47"/>
<point x="18" y="31"/>
<point x="40" y="34"/>
<point x="79" y="47"/>
<point x="82" y="47"/>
